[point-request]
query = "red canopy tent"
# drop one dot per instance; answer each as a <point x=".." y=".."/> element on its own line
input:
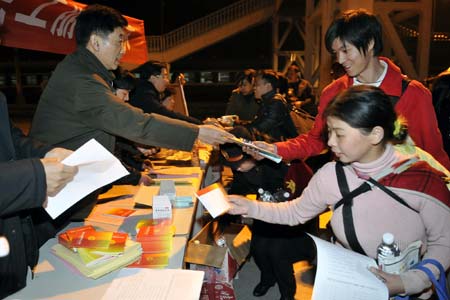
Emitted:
<point x="49" y="26"/>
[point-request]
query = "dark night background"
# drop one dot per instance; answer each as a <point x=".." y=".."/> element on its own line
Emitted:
<point x="249" y="49"/>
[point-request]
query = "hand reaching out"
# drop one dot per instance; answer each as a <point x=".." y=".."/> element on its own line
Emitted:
<point x="239" y="205"/>
<point x="213" y="135"/>
<point x="266" y="146"/>
<point x="145" y="180"/>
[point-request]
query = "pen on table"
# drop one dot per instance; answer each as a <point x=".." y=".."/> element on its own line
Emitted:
<point x="181" y="182"/>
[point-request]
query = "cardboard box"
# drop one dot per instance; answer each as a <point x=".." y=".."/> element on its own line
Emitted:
<point x="219" y="263"/>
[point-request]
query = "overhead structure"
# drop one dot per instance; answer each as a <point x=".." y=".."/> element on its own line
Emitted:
<point x="407" y="29"/>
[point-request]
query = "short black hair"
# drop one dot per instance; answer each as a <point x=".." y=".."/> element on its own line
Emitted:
<point x="294" y="67"/>
<point x="364" y="107"/>
<point x="98" y="19"/>
<point x="124" y="80"/>
<point x="357" y="27"/>
<point x="150" y="68"/>
<point x="247" y="75"/>
<point x="269" y="76"/>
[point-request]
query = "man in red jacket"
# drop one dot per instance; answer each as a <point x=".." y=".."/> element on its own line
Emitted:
<point x="356" y="40"/>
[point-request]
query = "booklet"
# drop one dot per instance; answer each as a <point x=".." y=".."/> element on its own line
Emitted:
<point x="344" y="275"/>
<point x="214" y="198"/>
<point x="263" y="152"/>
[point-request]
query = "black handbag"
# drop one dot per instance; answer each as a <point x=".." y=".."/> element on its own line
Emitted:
<point x="302" y="120"/>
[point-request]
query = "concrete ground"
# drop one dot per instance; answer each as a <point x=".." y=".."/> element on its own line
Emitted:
<point x="248" y="278"/>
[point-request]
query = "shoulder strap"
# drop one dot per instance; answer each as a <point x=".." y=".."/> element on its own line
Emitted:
<point x="390" y="193"/>
<point x="405" y="83"/>
<point x="347" y="200"/>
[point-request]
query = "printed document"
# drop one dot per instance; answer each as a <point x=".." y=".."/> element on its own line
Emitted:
<point x="154" y="284"/>
<point x="96" y="168"/>
<point x="344" y="275"/>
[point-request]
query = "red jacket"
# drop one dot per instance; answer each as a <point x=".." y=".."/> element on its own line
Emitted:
<point x="415" y="105"/>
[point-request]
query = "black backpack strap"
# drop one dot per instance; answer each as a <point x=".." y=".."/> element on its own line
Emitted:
<point x="347" y="201"/>
<point x="405" y="83"/>
<point x="390" y="193"/>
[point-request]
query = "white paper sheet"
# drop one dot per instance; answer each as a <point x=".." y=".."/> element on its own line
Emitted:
<point x="344" y="275"/>
<point x="214" y="198"/>
<point x="152" y="284"/>
<point x="96" y="168"/>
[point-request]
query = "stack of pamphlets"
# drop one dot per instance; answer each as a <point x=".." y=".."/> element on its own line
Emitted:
<point x="96" y="253"/>
<point x="156" y="238"/>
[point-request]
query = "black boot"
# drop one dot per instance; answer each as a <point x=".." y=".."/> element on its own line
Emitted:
<point x="261" y="289"/>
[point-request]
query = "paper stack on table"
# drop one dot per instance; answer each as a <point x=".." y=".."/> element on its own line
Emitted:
<point x="96" y="253"/>
<point x="148" y="284"/>
<point x="156" y="238"/>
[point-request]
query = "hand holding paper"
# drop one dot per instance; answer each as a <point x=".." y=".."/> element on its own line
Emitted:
<point x="214" y="198"/>
<point x="344" y="275"/>
<point x="57" y="175"/>
<point x="96" y="168"/>
<point x="257" y="150"/>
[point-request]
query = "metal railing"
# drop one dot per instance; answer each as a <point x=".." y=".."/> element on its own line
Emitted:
<point x="411" y="32"/>
<point x="159" y="43"/>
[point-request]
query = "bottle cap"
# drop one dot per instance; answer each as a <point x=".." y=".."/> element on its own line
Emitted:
<point x="388" y="238"/>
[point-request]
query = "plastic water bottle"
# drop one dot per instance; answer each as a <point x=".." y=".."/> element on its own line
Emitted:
<point x="387" y="249"/>
<point x="265" y="196"/>
<point x="220" y="240"/>
<point x="281" y="195"/>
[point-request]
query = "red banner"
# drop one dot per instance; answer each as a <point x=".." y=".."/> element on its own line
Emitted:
<point x="49" y="26"/>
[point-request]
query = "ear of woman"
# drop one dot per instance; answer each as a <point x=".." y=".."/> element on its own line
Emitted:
<point x="377" y="135"/>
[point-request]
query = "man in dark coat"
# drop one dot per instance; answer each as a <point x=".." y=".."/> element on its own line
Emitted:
<point x="79" y="102"/>
<point x="273" y="121"/>
<point x="29" y="171"/>
<point x="153" y="81"/>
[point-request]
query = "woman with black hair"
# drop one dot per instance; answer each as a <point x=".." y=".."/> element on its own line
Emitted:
<point x="410" y="195"/>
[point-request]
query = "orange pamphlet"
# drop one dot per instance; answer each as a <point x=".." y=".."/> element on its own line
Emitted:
<point x="151" y="260"/>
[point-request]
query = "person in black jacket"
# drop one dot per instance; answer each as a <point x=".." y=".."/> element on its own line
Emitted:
<point x="273" y="121"/>
<point x="153" y="80"/>
<point x="29" y="172"/>
<point x="441" y="102"/>
<point x="271" y="243"/>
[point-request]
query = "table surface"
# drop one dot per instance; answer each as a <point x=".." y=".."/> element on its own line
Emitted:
<point x="55" y="279"/>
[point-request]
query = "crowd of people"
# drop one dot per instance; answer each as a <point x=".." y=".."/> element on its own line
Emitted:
<point x="78" y="103"/>
<point x="371" y="118"/>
